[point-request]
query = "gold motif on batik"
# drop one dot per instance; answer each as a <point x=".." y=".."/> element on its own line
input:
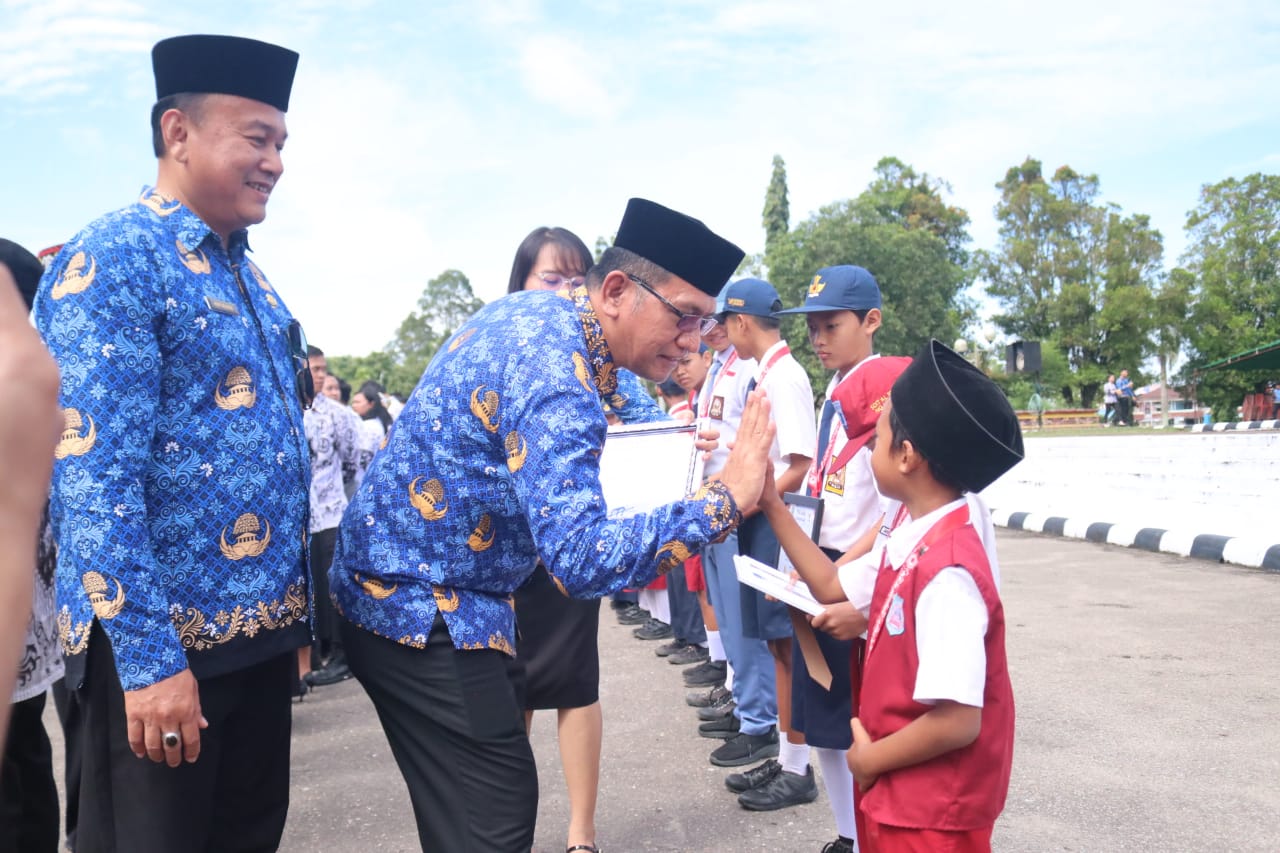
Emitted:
<point x="429" y="502"/>
<point x="97" y="587"/>
<point x="675" y="552"/>
<point x="481" y="539"/>
<point x="581" y="371"/>
<point x="193" y="260"/>
<point x="259" y="278"/>
<point x="460" y="339"/>
<point x="719" y="506"/>
<point x="198" y="632"/>
<point x="376" y="589"/>
<point x="485" y="407"/>
<point x="159" y="203"/>
<point x="240" y="392"/>
<point x="248" y="542"/>
<point x="75" y="278"/>
<point x="602" y="368"/>
<point x="73" y="442"/>
<point x="446" y="599"/>
<point x="517" y="450"/>
<point x="73" y="637"/>
<point x="558" y="584"/>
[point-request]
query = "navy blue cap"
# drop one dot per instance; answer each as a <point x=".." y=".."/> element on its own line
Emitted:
<point x="226" y="65"/>
<point x="680" y="244"/>
<point x="842" y="288"/>
<point x="753" y="296"/>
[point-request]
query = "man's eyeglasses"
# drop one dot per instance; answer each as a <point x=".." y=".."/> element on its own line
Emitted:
<point x="303" y="384"/>
<point x="556" y="282"/>
<point x="686" y="322"/>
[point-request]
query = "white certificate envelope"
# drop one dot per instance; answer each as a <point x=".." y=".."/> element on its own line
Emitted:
<point x="645" y="466"/>
<point x="776" y="584"/>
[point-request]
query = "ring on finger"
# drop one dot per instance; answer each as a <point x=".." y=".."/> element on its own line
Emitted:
<point x="171" y="740"/>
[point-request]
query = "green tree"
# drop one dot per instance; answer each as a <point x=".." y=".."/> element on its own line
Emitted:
<point x="901" y="230"/>
<point x="445" y="304"/>
<point x="1234" y="260"/>
<point x="777" y="212"/>
<point x="1073" y="273"/>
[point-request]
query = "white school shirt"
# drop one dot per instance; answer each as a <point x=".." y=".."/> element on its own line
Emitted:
<point x="726" y="396"/>
<point x="850" y="501"/>
<point x="951" y="617"/>
<point x="791" y="407"/>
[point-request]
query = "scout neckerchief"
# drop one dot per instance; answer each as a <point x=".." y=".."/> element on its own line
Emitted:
<point x="714" y="380"/>
<point x="949" y="523"/>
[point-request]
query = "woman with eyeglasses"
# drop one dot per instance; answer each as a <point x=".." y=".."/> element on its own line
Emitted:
<point x="557" y="646"/>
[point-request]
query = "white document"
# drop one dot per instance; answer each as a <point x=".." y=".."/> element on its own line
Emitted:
<point x="645" y="466"/>
<point x="775" y="584"/>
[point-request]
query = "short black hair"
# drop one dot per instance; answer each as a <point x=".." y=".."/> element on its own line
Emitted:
<point x="313" y="350"/>
<point x="626" y="261"/>
<point x="769" y="324"/>
<point x="191" y="103"/>
<point x="25" y="268"/>
<point x="899" y="431"/>
<point x="344" y="390"/>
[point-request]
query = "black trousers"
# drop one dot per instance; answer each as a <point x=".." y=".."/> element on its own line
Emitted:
<point x="28" y="795"/>
<point x="327" y="642"/>
<point x="686" y="614"/>
<point x="457" y="733"/>
<point x="233" y="799"/>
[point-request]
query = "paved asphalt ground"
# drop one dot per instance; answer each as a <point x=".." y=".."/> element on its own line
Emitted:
<point x="1148" y="695"/>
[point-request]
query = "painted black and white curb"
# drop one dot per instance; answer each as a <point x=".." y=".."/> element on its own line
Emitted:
<point x="1235" y="425"/>
<point x="1202" y="546"/>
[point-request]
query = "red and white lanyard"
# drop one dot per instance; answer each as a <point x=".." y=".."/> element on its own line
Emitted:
<point x="764" y="371"/>
<point x="949" y="523"/>
<point x="704" y="407"/>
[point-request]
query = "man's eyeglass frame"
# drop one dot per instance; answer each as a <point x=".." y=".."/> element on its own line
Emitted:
<point x="685" y="322"/>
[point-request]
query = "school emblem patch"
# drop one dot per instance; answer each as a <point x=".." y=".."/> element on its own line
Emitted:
<point x="896" y="621"/>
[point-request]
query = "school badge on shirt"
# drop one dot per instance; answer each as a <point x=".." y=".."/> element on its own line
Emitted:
<point x="717" y="408"/>
<point x="835" y="482"/>
<point x="896" y="621"/>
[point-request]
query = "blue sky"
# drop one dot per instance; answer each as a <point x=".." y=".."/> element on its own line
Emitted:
<point x="436" y="135"/>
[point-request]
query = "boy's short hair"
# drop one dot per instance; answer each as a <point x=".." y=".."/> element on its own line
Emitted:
<point x="957" y="418"/>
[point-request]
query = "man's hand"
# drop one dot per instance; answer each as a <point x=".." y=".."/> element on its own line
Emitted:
<point x="858" y="756"/>
<point x="842" y="621"/>
<point x="171" y="705"/>
<point x="744" y="472"/>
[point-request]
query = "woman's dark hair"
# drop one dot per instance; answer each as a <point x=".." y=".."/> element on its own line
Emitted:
<point x="372" y="392"/>
<point x="527" y="255"/>
<point x="344" y="390"/>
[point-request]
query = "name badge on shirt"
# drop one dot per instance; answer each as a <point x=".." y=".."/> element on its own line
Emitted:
<point x="219" y="306"/>
<point x="896" y="621"/>
<point x="835" y="482"/>
<point x="717" y="408"/>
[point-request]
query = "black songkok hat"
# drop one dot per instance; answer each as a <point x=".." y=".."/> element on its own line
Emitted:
<point x="225" y="65"/>
<point x="25" y="267"/>
<point x="679" y="244"/>
<point x="957" y="418"/>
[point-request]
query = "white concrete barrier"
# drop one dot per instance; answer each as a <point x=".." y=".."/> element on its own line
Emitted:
<point x="1210" y="494"/>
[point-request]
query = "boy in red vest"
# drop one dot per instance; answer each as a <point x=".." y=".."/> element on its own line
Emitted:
<point x="933" y="744"/>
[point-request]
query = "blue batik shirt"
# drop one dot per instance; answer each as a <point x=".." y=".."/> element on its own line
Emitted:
<point x="180" y="486"/>
<point x="494" y="461"/>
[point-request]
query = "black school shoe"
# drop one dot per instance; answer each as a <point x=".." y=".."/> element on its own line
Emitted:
<point x="704" y="699"/>
<point x="743" y="748"/>
<point x="691" y="653"/>
<point x="780" y="792"/>
<point x="654" y="629"/>
<point x="706" y="674"/>
<point x="633" y="614"/>
<point x="671" y="648"/>
<point x="724" y="728"/>
<point x="759" y="775"/>
<point x="718" y="710"/>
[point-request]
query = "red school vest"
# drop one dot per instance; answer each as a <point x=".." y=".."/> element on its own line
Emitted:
<point x="966" y="788"/>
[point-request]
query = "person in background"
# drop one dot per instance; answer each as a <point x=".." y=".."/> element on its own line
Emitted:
<point x="1124" y="399"/>
<point x="1275" y="400"/>
<point x="558" y="647"/>
<point x="337" y="463"/>
<point x="28" y="794"/>
<point x="333" y="389"/>
<point x="1109" y="400"/>
<point x="676" y="400"/>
